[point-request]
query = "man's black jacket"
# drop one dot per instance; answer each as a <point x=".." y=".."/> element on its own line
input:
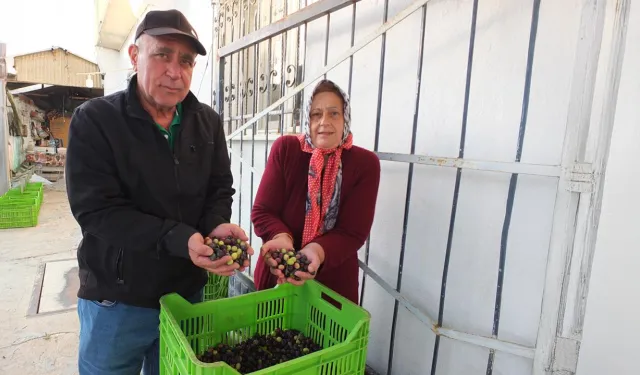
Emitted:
<point x="138" y="203"/>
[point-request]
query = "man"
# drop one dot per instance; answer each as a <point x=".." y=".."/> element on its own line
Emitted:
<point x="148" y="174"/>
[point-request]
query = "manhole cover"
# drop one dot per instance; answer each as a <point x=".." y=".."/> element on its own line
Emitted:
<point x="56" y="287"/>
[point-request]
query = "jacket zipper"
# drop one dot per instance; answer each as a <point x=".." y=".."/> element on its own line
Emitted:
<point x="120" y="276"/>
<point x="176" y="163"/>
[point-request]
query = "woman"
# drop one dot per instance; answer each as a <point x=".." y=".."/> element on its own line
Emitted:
<point x="343" y="179"/>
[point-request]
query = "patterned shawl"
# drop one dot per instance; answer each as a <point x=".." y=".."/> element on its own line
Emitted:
<point x="325" y="188"/>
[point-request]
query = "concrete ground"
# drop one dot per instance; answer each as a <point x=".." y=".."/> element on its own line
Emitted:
<point x="40" y="344"/>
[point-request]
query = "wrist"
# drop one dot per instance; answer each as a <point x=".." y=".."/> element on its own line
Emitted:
<point x="285" y="235"/>
<point x="318" y="249"/>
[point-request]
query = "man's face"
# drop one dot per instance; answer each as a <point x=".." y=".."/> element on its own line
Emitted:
<point x="165" y="66"/>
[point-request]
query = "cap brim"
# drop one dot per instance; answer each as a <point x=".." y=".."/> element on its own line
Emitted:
<point x="158" y="31"/>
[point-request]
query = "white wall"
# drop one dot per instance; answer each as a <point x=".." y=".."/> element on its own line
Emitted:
<point x="494" y="115"/>
<point x="495" y="107"/>
<point x="116" y="65"/>
<point x="200" y="15"/>
<point x="610" y="341"/>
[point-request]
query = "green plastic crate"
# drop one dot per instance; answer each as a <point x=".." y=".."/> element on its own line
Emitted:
<point x="34" y="186"/>
<point x="31" y="198"/>
<point x="18" y="213"/>
<point x="26" y="193"/>
<point x="217" y="287"/>
<point x="343" y="331"/>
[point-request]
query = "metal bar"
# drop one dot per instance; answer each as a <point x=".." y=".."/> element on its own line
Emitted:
<point x="242" y="160"/>
<point x="283" y="40"/>
<point x="215" y="30"/>
<point x="383" y="52"/>
<point x="236" y="99"/>
<point x="513" y="183"/>
<point x="220" y="96"/>
<point x="486" y="342"/>
<point x="385" y="15"/>
<point x="367" y="245"/>
<point x="4" y="129"/>
<point x="587" y="55"/>
<point x="353" y="35"/>
<point x="268" y="87"/>
<point x="230" y="87"/>
<point x="456" y="191"/>
<point x="407" y="203"/>
<point x="304" y="59"/>
<point x="302" y="16"/>
<point x="256" y="57"/>
<point x="249" y="116"/>
<point x="527" y="80"/>
<point x="499" y="345"/>
<point x="367" y="242"/>
<point x="298" y="64"/>
<point x="361" y="44"/>
<point x="256" y="61"/>
<point x="326" y="42"/>
<point x="242" y="92"/>
<point x="481" y="165"/>
<point x="490" y="166"/>
<point x="231" y="64"/>
<point x="420" y="315"/>
<point x="26" y="89"/>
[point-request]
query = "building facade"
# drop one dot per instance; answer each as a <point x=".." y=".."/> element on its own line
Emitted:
<point x="56" y="66"/>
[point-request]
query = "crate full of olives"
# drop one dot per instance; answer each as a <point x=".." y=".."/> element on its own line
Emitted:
<point x="290" y="329"/>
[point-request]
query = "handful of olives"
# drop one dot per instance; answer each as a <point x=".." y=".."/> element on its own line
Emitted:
<point x="234" y="247"/>
<point x="289" y="262"/>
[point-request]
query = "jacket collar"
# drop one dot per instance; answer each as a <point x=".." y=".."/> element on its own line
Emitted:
<point x="190" y="104"/>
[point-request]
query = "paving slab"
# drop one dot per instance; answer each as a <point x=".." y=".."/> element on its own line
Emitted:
<point x="40" y="344"/>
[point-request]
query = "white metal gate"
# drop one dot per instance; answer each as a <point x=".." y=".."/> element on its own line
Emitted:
<point x="471" y="291"/>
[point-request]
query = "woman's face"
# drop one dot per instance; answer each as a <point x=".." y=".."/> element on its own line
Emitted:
<point x="326" y="120"/>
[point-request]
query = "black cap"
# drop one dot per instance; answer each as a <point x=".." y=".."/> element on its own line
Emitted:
<point x="167" y="22"/>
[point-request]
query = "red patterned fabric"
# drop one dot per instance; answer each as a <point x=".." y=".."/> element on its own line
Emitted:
<point x="329" y="160"/>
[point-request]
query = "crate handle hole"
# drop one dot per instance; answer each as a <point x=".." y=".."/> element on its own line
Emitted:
<point x="332" y="301"/>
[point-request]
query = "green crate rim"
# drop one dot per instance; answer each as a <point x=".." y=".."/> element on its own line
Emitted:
<point x="191" y="355"/>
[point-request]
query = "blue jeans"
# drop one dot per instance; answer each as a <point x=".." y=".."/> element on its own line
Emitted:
<point x="119" y="339"/>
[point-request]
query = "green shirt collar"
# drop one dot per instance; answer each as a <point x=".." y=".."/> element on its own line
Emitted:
<point x="173" y="127"/>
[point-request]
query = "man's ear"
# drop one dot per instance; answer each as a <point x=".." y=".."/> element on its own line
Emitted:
<point x="134" y="52"/>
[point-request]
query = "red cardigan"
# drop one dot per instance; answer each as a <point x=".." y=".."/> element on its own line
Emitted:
<point x="280" y="207"/>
